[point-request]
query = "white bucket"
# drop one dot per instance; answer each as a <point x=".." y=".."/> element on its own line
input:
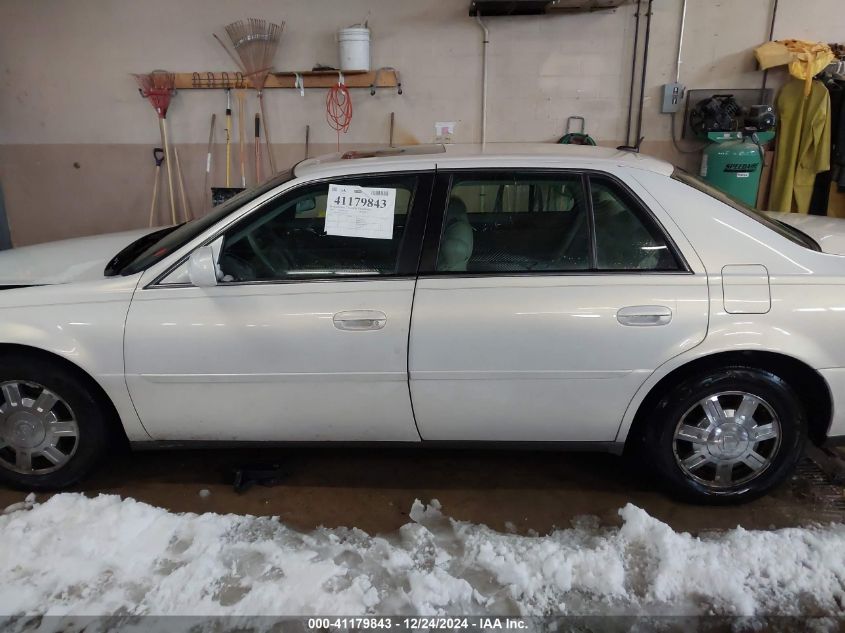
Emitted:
<point x="354" y="48"/>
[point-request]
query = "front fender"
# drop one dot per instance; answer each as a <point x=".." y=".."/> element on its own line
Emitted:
<point x="82" y="323"/>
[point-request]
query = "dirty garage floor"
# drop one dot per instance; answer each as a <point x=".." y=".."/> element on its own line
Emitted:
<point x="373" y="489"/>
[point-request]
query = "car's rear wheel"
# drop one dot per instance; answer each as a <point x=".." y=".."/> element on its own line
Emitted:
<point x="52" y="427"/>
<point x="729" y="435"/>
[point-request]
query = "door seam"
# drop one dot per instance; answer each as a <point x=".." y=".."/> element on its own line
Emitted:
<point x="408" y="359"/>
<point x="123" y="358"/>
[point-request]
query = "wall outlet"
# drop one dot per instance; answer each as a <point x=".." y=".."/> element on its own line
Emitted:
<point x="673" y="97"/>
<point x="444" y="131"/>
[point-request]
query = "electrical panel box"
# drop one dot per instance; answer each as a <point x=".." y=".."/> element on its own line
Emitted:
<point x="673" y="97"/>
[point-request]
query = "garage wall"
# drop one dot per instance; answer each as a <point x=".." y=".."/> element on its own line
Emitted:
<point x="76" y="139"/>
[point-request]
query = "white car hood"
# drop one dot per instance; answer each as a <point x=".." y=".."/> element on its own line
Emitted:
<point x="78" y="259"/>
<point x="828" y="232"/>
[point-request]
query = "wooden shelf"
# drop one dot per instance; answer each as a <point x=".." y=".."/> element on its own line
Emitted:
<point x="496" y="8"/>
<point x="387" y="78"/>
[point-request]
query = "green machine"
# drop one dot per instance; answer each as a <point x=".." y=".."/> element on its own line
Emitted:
<point x="733" y="160"/>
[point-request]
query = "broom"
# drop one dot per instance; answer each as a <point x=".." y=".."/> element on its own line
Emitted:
<point x="157" y="87"/>
<point x="255" y="42"/>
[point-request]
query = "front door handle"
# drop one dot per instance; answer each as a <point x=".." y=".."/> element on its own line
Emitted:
<point x="644" y="315"/>
<point x="359" y="320"/>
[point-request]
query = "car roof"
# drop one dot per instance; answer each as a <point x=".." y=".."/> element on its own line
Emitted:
<point x="475" y="154"/>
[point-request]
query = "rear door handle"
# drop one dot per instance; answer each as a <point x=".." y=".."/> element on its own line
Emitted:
<point x="644" y="315"/>
<point x="359" y="320"/>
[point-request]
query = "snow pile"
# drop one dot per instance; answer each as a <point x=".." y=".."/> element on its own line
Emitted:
<point x="80" y="556"/>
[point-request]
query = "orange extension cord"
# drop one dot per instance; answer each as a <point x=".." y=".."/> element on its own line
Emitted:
<point x="339" y="109"/>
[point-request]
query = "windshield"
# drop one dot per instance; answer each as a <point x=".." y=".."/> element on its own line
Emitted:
<point x="789" y="232"/>
<point x="175" y="237"/>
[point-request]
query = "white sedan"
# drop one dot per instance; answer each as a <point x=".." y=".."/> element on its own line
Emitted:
<point x="543" y="295"/>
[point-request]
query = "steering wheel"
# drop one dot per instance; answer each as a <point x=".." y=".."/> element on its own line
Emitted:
<point x="267" y="257"/>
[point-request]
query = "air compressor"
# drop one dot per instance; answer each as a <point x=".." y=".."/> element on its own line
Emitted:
<point x="733" y="160"/>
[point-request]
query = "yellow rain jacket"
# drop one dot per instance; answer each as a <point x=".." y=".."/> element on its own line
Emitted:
<point x="803" y="145"/>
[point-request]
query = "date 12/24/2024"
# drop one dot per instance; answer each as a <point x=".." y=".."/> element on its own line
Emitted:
<point x="414" y="623"/>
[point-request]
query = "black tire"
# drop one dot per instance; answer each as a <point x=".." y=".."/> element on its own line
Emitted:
<point x="91" y="418"/>
<point x="783" y="454"/>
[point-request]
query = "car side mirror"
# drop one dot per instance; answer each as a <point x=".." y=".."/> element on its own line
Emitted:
<point x="306" y="204"/>
<point x="202" y="270"/>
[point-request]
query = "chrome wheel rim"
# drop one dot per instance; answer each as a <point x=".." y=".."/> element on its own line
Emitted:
<point x="727" y="439"/>
<point x="38" y="430"/>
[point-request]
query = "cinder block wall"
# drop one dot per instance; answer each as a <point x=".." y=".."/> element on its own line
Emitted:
<point x="76" y="139"/>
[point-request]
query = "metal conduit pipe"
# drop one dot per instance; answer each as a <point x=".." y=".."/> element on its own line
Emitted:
<point x="634" y="56"/>
<point x="483" y="78"/>
<point x="771" y="36"/>
<point x="681" y="42"/>
<point x="639" y="137"/>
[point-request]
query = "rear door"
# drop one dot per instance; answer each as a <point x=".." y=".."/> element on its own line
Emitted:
<point x="544" y="301"/>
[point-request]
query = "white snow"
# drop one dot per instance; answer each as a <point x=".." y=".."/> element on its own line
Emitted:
<point x="78" y="556"/>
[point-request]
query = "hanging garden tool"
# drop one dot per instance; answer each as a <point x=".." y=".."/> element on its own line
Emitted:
<point x="208" y="162"/>
<point x="158" y="156"/>
<point x="157" y="87"/>
<point x="339" y="108"/>
<point x="240" y="95"/>
<point x="186" y="207"/>
<point x="255" y="42"/>
<point x="228" y="137"/>
<point x="307" y="139"/>
<point x="257" y="147"/>
<point x="576" y="138"/>
<point x="221" y="194"/>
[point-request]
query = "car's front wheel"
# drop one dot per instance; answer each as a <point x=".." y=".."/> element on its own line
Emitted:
<point x="729" y="435"/>
<point x="52" y="428"/>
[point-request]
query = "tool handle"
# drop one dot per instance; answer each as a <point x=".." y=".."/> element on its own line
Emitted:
<point x="257" y="148"/>
<point x="228" y="144"/>
<point x="575" y="118"/>
<point x="211" y="129"/>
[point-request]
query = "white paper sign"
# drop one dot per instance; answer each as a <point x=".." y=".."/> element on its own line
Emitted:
<point x="444" y="131"/>
<point x="354" y="211"/>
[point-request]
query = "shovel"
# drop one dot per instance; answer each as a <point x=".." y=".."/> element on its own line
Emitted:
<point x="158" y="155"/>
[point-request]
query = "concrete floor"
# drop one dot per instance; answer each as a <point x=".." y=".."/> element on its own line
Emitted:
<point x="374" y="489"/>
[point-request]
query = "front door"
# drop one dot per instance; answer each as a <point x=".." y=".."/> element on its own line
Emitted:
<point x="305" y="336"/>
<point x="549" y="298"/>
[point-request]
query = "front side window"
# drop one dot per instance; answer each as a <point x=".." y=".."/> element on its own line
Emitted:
<point x="151" y="249"/>
<point x="515" y="222"/>
<point x="341" y="228"/>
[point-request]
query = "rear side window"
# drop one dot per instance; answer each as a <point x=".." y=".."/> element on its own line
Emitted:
<point x="626" y="237"/>
<point x="548" y="222"/>
<point x="515" y="222"/>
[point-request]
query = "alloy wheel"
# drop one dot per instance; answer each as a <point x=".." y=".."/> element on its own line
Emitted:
<point x="727" y="439"/>
<point x="38" y="429"/>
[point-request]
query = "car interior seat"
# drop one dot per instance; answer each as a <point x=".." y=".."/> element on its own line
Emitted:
<point x="457" y="243"/>
<point x="620" y="235"/>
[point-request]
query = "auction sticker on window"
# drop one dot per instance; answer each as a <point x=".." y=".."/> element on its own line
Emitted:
<point x="354" y="211"/>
